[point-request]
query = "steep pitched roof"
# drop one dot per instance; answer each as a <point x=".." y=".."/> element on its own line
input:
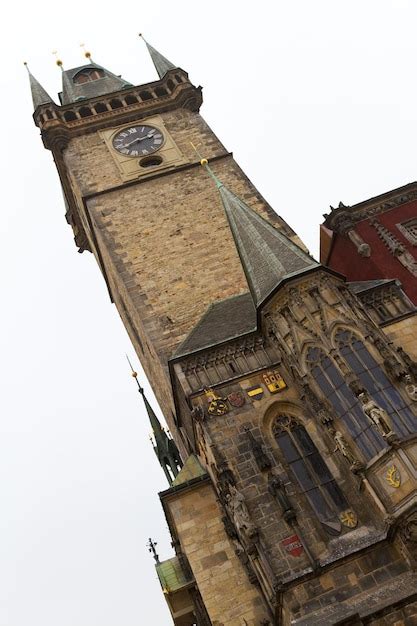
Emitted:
<point x="161" y="63"/>
<point x="39" y="95"/>
<point x="267" y="255"/>
<point x="192" y="469"/>
<point x="224" y="320"/>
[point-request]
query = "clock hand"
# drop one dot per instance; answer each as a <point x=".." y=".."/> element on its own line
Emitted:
<point x="148" y="136"/>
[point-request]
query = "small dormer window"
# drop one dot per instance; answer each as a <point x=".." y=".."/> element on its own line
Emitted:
<point x="87" y="75"/>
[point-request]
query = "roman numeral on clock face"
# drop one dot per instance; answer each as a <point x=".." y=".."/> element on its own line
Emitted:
<point x="138" y="140"/>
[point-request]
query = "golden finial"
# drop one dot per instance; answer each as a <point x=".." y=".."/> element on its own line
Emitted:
<point x="204" y="163"/>
<point x="58" y="61"/>
<point x="87" y="54"/>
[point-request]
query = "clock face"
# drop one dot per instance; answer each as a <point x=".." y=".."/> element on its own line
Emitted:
<point x="138" y="140"/>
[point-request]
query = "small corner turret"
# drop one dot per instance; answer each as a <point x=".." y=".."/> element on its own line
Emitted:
<point x="164" y="446"/>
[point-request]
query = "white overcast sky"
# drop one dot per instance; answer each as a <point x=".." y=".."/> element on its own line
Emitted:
<point x="317" y="100"/>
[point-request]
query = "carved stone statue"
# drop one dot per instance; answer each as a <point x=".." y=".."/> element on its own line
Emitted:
<point x="277" y="489"/>
<point x="410" y="363"/>
<point x="410" y="388"/>
<point x="378" y="416"/>
<point x="343" y="447"/>
<point x="239" y="513"/>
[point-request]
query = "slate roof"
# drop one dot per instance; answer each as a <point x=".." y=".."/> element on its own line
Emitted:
<point x="267" y="255"/>
<point x="161" y="63"/>
<point x="359" y="286"/>
<point x="192" y="469"/>
<point x="39" y="95"/>
<point x="224" y="320"/>
<point x="72" y="92"/>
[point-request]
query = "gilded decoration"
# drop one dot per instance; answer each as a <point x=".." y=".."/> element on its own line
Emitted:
<point x="393" y="476"/>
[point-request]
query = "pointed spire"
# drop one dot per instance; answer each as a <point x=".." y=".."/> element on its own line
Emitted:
<point x="164" y="446"/>
<point x="161" y="63"/>
<point x="267" y="255"/>
<point x="39" y="95"/>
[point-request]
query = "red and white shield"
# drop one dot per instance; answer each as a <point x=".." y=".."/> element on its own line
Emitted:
<point x="293" y="545"/>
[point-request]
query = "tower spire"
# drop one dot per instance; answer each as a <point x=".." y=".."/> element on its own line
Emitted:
<point x="267" y="255"/>
<point x="161" y="63"/>
<point x="39" y="95"/>
<point x="163" y="445"/>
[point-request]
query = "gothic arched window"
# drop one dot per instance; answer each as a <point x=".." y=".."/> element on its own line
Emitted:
<point x="334" y="388"/>
<point x="310" y="471"/>
<point x="347" y="407"/>
<point x="374" y="379"/>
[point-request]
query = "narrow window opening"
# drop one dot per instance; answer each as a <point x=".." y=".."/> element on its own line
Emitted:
<point x="160" y="91"/>
<point x="70" y="116"/>
<point x="85" y="112"/>
<point x="100" y="107"/>
<point x="116" y="104"/>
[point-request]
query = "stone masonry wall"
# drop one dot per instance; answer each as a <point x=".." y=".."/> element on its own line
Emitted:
<point x="228" y="595"/>
<point x="404" y="334"/>
<point x="165" y="242"/>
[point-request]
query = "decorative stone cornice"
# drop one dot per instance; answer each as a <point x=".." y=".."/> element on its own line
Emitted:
<point x="339" y="219"/>
<point x="173" y="91"/>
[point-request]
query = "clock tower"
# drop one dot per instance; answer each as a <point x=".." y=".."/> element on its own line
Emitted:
<point x="293" y="460"/>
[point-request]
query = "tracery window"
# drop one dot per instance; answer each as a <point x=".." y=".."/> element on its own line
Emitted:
<point x="310" y="471"/>
<point x="376" y="382"/>
<point x="347" y="406"/>
<point x="88" y="75"/>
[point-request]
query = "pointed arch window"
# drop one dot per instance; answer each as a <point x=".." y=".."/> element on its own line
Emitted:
<point x="347" y="407"/>
<point x="333" y="386"/>
<point x="374" y="379"/>
<point x="310" y="471"/>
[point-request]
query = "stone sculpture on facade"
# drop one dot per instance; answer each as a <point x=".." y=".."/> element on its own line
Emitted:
<point x="236" y="505"/>
<point x="343" y="447"/>
<point x="277" y="489"/>
<point x="378" y="416"/>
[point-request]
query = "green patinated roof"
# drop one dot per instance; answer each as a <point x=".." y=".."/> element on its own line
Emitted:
<point x="171" y="575"/>
<point x="72" y="92"/>
<point x="161" y="63"/>
<point x="267" y="255"/>
<point x="39" y="95"/>
<point x="268" y="258"/>
<point x="192" y="469"/>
